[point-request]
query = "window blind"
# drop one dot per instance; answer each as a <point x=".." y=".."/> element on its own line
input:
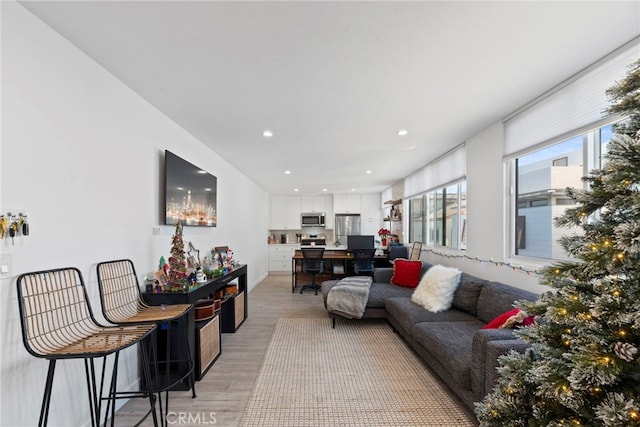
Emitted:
<point x="573" y="107"/>
<point x="448" y="168"/>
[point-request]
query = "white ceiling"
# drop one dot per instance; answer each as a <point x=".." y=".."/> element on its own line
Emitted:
<point x="335" y="81"/>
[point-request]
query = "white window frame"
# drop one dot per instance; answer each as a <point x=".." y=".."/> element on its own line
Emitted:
<point x="590" y="161"/>
<point x="461" y="245"/>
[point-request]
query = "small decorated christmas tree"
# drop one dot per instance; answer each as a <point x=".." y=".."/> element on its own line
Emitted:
<point x="583" y="367"/>
<point x="177" y="262"/>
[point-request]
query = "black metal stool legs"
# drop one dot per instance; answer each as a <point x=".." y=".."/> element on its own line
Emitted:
<point x="46" y="399"/>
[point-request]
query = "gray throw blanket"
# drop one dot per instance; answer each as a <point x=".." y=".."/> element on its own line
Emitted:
<point x="349" y="297"/>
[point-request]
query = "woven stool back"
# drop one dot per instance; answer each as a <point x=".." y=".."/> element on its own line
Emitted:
<point x="57" y="320"/>
<point x="119" y="290"/>
<point x="121" y="298"/>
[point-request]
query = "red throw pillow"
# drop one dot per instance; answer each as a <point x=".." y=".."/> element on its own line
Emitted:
<point x="500" y="320"/>
<point x="406" y="273"/>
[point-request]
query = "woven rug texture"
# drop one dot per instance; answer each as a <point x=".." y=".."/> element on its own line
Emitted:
<point x="358" y="374"/>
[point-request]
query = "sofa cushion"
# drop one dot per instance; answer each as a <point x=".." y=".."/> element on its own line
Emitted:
<point x="406" y="273"/>
<point x="436" y="288"/>
<point x="381" y="291"/>
<point x="450" y="343"/>
<point x="466" y="296"/>
<point x="496" y="298"/>
<point x="407" y="313"/>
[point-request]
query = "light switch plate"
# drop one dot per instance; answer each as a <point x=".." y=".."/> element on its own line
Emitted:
<point x="5" y="266"/>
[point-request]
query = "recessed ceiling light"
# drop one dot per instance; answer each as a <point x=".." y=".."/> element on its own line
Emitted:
<point x="353" y="189"/>
<point x="295" y="189"/>
<point x="267" y="133"/>
<point x="287" y="172"/>
<point x="402" y="132"/>
<point x="369" y="172"/>
<point x="324" y="189"/>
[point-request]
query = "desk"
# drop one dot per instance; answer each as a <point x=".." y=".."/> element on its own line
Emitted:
<point x="204" y="290"/>
<point x="333" y="256"/>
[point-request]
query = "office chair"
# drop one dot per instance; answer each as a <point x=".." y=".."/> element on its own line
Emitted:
<point x="312" y="264"/>
<point x="398" y="252"/>
<point x="363" y="261"/>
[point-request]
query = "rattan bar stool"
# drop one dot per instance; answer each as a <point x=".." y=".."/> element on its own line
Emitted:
<point x="57" y="323"/>
<point x="122" y="304"/>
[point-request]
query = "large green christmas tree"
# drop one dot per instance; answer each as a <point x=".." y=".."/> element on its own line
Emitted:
<point x="583" y="367"/>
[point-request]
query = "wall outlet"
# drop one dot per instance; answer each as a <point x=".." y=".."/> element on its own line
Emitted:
<point x="155" y="230"/>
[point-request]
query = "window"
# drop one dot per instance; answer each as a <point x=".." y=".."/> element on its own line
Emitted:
<point x="541" y="178"/>
<point x="416" y="219"/>
<point x="438" y="218"/>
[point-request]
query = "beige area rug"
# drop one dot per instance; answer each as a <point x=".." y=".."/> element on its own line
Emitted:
<point x="359" y="374"/>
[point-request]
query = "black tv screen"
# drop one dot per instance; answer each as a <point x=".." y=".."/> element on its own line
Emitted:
<point x="190" y="193"/>
<point x="360" y="242"/>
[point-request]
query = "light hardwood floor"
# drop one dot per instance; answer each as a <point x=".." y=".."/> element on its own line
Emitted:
<point x="226" y="387"/>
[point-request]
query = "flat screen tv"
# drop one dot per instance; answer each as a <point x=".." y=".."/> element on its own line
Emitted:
<point x="360" y="242"/>
<point x="190" y="193"/>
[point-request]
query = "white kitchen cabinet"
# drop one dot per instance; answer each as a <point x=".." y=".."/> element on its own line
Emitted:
<point x="280" y="257"/>
<point x="346" y="203"/>
<point x="328" y="213"/>
<point x="285" y="213"/>
<point x="371" y="213"/>
<point x="313" y="204"/>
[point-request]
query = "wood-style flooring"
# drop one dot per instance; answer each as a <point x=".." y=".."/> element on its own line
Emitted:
<point x="227" y="385"/>
<point x="226" y="388"/>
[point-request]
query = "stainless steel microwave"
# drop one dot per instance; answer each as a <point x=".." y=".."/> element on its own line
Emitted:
<point x="312" y="220"/>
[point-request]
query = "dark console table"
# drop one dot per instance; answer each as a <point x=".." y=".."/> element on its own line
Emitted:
<point x="233" y="312"/>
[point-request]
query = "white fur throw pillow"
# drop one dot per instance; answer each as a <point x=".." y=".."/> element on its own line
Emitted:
<point x="436" y="288"/>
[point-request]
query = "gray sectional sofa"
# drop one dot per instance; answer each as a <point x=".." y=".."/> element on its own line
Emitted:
<point x="452" y="342"/>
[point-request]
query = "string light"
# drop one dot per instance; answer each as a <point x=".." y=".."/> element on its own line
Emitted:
<point x="528" y="271"/>
<point x="633" y="414"/>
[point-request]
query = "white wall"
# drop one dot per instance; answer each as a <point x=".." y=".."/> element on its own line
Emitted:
<point x="82" y="156"/>
<point x="486" y="215"/>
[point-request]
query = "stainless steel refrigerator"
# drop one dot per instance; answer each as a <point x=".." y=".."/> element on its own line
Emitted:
<point x="346" y="225"/>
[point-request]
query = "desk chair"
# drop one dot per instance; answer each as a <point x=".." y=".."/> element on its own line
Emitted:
<point x="363" y="261"/>
<point x="312" y="264"/>
<point x="57" y="323"/>
<point x="415" y="251"/>
<point x="398" y="252"/>
<point x="122" y="304"/>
